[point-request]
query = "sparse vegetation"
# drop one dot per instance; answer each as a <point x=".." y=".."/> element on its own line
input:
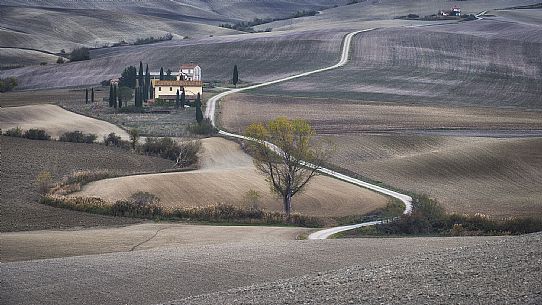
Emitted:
<point x="44" y="181"/>
<point x="8" y="84"/>
<point x="248" y="26"/>
<point x="429" y="218"/>
<point x="204" y="128"/>
<point x="166" y="37"/>
<point x="134" y="137"/>
<point x="78" y="137"/>
<point x="145" y="205"/>
<point x="79" y="54"/>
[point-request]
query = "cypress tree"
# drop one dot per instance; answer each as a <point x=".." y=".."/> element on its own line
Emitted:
<point x="183" y="99"/>
<point x="86" y="96"/>
<point x="120" y="101"/>
<point x="147" y="83"/>
<point x="92" y="95"/>
<point x="140" y="78"/>
<point x="110" y="95"/>
<point x="235" y="79"/>
<point x="177" y="100"/>
<point x="161" y="73"/>
<point x="115" y="96"/>
<point x="136" y="97"/>
<point x="199" y="114"/>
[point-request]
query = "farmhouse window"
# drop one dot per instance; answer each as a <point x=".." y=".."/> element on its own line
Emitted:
<point x="159" y="88"/>
<point x="170" y="88"/>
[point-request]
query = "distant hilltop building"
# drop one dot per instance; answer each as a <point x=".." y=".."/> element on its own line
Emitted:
<point x="188" y="80"/>
<point x="455" y="11"/>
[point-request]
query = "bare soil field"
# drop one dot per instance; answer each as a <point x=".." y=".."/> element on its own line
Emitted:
<point x="43" y="244"/>
<point x="23" y="160"/>
<point x="55" y="121"/>
<point x="335" y="116"/>
<point x="63" y="96"/>
<point x="493" y="272"/>
<point x="496" y="177"/>
<point x="161" y="275"/>
<point x="480" y="63"/>
<point x="225" y="176"/>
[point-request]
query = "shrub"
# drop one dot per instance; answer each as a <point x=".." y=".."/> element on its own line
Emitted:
<point x="162" y="147"/>
<point x="36" y="134"/>
<point x="79" y="54"/>
<point x="205" y="128"/>
<point x="78" y="137"/>
<point x="188" y="153"/>
<point x="44" y="181"/>
<point x="113" y="140"/>
<point x="14" y="132"/>
<point x="7" y="84"/>
<point x="134" y="137"/>
<point x="131" y="109"/>
<point x="60" y="60"/>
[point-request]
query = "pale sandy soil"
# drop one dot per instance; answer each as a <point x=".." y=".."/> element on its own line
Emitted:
<point x="55" y="121"/>
<point x="226" y="174"/>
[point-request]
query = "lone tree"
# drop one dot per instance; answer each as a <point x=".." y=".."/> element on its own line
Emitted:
<point x="134" y="137"/>
<point x="161" y="73"/>
<point x="199" y="113"/>
<point x="286" y="169"/>
<point x="92" y="95"/>
<point x="86" y="96"/>
<point x="235" y="79"/>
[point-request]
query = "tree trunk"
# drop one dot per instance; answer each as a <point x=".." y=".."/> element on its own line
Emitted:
<point x="287" y="201"/>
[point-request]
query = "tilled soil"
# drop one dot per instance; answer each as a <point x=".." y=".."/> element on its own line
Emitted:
<point x="22" y="161"/>
<point x="503" y="272"/>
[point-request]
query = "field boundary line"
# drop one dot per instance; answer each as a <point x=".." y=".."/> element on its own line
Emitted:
<point x="210" y="113"/>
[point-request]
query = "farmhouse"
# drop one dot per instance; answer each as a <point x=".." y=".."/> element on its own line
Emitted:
<point x="188" y="80"/>
<point x="455" y="11"/>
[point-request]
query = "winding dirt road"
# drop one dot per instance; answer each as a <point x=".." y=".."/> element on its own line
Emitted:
<point x="322" y="234"/>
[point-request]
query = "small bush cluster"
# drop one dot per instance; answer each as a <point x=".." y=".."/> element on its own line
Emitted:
<point x="113" y="140"/>
<point x="78" y="137"/>
<point x="188" y="154"/>
<point x="32" y="134"/>
<point x="247" y="26"/>
<point x="166" y="148"/>
<point x="73" y="183"/>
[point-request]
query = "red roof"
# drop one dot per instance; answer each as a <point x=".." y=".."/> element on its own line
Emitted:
<point x="180" y="83"/>
<point x="188" y="66"/>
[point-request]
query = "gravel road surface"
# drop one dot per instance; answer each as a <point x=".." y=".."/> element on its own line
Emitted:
<point x="172" y="273"/>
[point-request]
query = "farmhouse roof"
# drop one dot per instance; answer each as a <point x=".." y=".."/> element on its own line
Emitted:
<point x="180" y="83"/>
<point x="188" y="66"/>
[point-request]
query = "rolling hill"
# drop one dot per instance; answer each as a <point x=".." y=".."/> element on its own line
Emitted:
<point x="229" y="173"/>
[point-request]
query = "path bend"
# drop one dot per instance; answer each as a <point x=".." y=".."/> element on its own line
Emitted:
<point x="322" y="234"/>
